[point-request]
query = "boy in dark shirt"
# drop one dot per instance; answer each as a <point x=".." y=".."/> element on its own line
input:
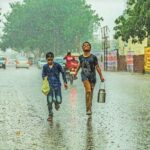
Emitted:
<point x="52" y="70"/>
<point x="88" y="64"/>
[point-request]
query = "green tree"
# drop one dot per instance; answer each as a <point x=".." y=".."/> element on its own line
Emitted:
<point x="49" y="25"/>
<point x="135" y="22"/>
<point x="0" y="15"/>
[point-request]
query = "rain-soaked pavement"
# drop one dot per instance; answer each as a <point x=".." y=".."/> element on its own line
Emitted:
<point x="123" y="123"/>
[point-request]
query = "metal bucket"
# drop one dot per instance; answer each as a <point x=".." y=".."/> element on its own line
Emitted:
<point x="101" y="95"/>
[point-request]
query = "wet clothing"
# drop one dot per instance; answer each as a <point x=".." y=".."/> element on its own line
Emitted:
<point x="55" y="97"/>
<point x="53" y="73"/>
<point x="88" y="75"/>
<point x="88" y="65"/>
<point x="89" y="87"/>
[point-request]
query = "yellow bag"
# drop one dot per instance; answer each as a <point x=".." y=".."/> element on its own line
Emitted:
<point x="45" y="86"/>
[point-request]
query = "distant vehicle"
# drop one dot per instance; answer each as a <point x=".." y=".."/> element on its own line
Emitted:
<point x="22" y="62"/>
<point x="41" y="63"/>
<point x="71" y="68"/>
<point x="60" y="60"/>
<point x="3" y="62"/>
<point x="31" y="60"/>
<point x="11" y="61"/>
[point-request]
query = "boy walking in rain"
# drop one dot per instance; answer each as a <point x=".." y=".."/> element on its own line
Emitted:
<point x="88" y="64"/>
<point x="52" y="70"/>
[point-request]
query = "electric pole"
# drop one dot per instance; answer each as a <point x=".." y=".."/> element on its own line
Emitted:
<point x="105" y="43"/>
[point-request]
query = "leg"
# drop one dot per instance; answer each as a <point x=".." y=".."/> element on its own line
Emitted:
<point x="58" y="98"/>
<point x="50" y="103"/>
<point x="88" y="91"/>
<point x="92" y="89"/>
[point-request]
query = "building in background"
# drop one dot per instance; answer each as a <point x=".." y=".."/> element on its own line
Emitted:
<point x="137" y="48"/>
<point x="131" y="55"/>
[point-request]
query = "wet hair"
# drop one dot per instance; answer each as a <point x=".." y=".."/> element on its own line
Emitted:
<point x="86" y="42"/>
<point x="49" y="54"/>
<point x="69" y="53"/>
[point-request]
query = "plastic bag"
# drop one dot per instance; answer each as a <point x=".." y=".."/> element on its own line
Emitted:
<point x="45" y="86"/>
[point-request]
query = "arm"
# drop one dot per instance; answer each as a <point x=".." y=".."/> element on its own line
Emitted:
<point x="78" y="68"/>
<point x="99" y="72"/>
<point x="64" y="77"/>
<point x="98" y="68"/>
<point x="63" y="74"/>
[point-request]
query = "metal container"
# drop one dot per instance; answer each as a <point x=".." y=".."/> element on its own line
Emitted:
<point x="101" y="95"/>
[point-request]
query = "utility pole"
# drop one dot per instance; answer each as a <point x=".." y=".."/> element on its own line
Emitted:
<point x="105" y="37"/>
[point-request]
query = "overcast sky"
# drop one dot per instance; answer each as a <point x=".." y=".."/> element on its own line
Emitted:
<point x="108" y="9"/>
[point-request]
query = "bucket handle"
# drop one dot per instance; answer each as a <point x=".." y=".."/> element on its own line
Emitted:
<point x="102" y="83"/>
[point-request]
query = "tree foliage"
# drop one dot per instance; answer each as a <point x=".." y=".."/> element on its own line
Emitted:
<point x="135" y="22"/>
<point x="0" y="14"/>
<point x="56" y="25"/>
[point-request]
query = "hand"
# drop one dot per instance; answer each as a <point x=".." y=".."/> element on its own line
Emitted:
<point x="102" y="79"/>
<point x="65" y="85"/>
<point x="75" y="75"/>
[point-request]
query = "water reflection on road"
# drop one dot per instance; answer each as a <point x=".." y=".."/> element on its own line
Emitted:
<point x="122" y="123"/>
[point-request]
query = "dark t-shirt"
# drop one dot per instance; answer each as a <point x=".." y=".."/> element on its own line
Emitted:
<point x="88" y="68"/>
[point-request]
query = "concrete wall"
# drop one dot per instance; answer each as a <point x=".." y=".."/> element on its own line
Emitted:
<point x="122" y="65"/>
<point x="138" y="63"/>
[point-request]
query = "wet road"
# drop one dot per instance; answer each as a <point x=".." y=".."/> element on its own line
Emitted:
<point x="123" y="123"/>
